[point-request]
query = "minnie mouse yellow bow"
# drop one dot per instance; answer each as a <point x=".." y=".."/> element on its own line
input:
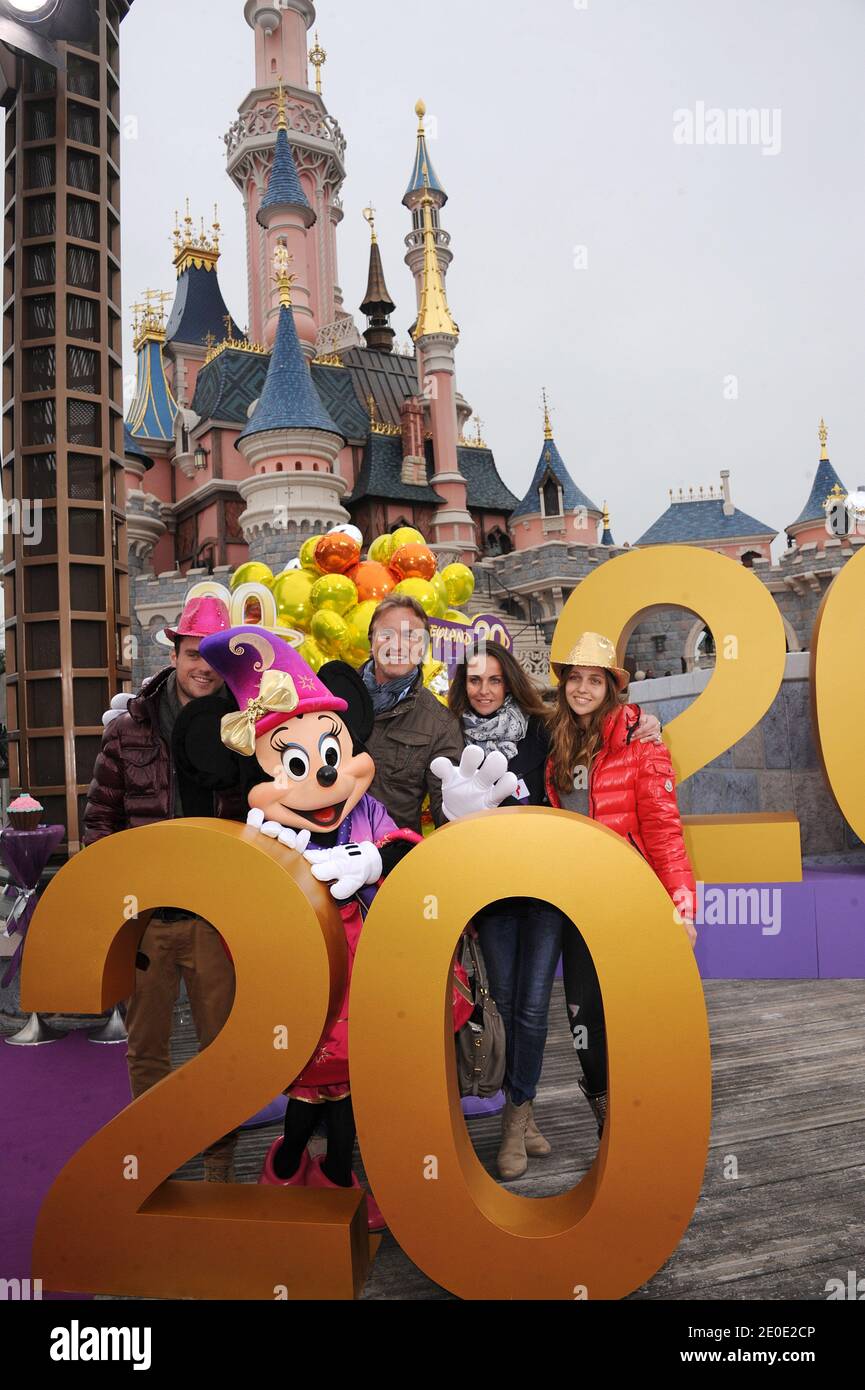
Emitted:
<point x="278" y="695"/>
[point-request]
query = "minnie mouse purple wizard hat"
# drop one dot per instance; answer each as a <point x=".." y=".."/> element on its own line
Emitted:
<point x="270" y="681"/>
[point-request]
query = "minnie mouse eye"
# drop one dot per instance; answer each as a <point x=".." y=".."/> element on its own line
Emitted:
<point x="331" y="752"/>
<point x="296" y="764"/>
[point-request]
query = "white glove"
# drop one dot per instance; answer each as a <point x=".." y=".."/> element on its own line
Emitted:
<point x="118" y="707"/>
<point x="353" y="867"/>
<point x="478" y="784"/>
<point x="294" y="839"/>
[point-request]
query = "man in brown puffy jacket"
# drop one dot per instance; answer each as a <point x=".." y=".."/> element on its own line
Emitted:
<point x="137" y="781"/>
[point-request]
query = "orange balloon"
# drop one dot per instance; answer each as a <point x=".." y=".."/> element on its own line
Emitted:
<point x="337" y="554"/>
<point x="372" y="581"/>
<point x="414" y="561"/>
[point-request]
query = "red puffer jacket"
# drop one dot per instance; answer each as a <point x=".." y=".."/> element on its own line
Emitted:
<point x="632" y="789"/>
<point x="133" y="780"/>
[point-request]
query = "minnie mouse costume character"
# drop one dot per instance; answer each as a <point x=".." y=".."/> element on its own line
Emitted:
<point x="309" y="774"/>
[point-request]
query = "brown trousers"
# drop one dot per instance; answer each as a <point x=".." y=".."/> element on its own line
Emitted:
<point x="193" y="950"/>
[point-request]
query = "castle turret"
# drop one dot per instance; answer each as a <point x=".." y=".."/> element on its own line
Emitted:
<point x="291" y="444"/>
<point x="153" y="410"/>
<point x="317" y="149"/>
<point x="436" y="336"/>
<point x="377" y="304"/>
<point x="424" y="182"/>
<point x="827" y="493"/>
<point x="199" y="316"/>
<point x="286" y="216"/>
<point x="554" y="508"/>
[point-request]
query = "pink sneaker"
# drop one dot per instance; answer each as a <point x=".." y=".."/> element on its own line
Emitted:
<point x="317" y="1178"/>
<point x="268" y="1175"/>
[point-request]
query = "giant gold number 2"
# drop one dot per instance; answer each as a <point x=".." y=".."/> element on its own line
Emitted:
<point x="837" y="669"/>
<point x="751" y="650"/>
<point x="111" y="1222"/>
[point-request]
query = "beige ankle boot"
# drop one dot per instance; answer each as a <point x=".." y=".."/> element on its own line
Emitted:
<point x="536" y="1145"/>
<point x="512" y="1160"/>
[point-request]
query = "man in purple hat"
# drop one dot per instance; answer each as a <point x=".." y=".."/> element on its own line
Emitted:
<point x="142" y="775"/>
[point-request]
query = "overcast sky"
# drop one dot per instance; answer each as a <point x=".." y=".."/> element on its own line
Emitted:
<point x="556" y="131"/>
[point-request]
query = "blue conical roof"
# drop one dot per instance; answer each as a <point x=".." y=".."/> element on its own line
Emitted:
<point x="154" y="409"/>
<point x="418" y="180"/>
<point x="551" y="461"/>
<point x="284" y="188"/>
<point x="825" y="480"/>
<point x="289" y="400"/>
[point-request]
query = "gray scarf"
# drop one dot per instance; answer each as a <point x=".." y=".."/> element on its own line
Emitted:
<point x="501" y="732"/>
<point x="386" y="697"/>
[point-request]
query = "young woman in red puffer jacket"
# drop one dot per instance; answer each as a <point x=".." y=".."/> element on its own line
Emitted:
<point x="598" y="768"/>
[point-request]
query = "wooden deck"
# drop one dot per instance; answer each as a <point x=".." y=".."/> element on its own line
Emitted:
<point x="789" y="1103"/>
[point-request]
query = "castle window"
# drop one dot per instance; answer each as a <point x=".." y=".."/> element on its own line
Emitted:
<point x="552" y="498"/>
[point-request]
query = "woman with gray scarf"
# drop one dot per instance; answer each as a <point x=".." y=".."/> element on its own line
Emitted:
<point x="521" y="938"/>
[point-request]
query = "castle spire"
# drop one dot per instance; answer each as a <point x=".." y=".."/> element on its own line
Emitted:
<point x="423" y="175"/>
<point x="824" y="441"/>
<point x="435" y="316"/>
<point x="548" y="425"/>
<point x="377" y="305"/>
<point x="284" y="188"/>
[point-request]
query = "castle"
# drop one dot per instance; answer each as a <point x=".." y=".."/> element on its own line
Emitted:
<point x="240" y="446"/>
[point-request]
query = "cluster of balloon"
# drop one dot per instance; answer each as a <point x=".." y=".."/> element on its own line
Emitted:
<point x="329" y="593"/>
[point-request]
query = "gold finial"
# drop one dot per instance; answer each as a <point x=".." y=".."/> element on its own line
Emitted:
<point x="282" y="108"/>
<point x="606" y="517"/>
<point x="420" y="112"/>
<point x="149" y="317"/>
<point x="824" y="441"/>
<point x="190" y="249"/>
<point x="369" y="214"/>
<point x="373" y="413"/>
<point x="282" y="275"/>
<point x="548" y="425"/>
<point x="318" y="58"/>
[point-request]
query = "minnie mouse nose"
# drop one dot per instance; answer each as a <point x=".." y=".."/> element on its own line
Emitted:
<point x="326" y="776"/>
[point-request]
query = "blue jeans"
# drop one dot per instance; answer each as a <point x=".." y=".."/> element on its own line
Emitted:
<point x="521" y="940"/>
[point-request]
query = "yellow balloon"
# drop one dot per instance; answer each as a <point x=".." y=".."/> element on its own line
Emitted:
<point x="293" y="594"/>
<point x="407" y="535"/>
<point x="441" y="589"/>
<point x="334" y="593"/>
<point x="329" y="631"/>
<point x="307" y="554"/>
<point x="382" y="548"/>
<point x="253" y="572"/>
<point x="358" y="620"/>
<point x="452" y="616"/>
<point x="460" y="583"/>
<point x="313" y="655"/>
<point x="422" y="591"/>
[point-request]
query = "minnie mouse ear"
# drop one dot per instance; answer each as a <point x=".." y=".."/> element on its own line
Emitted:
<point x="344" y="681"/>
<point x="199" y="753"/>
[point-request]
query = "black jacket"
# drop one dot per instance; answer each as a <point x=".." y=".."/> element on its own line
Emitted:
<point x="528" y="765"/>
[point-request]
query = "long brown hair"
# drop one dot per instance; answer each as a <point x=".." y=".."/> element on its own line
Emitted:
<point x="517" y="682"/>
<point x="571" y="745"/>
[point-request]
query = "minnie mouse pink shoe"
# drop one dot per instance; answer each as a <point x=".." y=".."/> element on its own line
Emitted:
<point x="268" y="1173"/>
<point x="316" y="1177"/>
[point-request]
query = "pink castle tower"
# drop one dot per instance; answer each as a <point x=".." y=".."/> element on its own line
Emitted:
<point x="286" y="156"/>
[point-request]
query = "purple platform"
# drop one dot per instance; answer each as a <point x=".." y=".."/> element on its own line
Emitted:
<point x="818" y="930"/>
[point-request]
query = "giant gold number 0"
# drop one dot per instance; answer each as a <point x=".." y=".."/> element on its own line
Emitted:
<point x="837" y="668"/>
<point x="751" y="651"/>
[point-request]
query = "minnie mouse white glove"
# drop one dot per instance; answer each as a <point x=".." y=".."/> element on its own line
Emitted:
<point x="353" y="867"/>
<point x="294" y="839"/>
<point x="478" y="784"/>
